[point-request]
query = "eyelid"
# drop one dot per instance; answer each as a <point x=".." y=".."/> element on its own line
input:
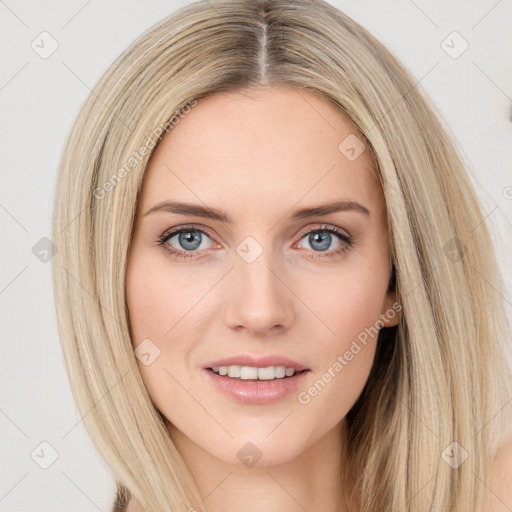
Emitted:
<point x="305" y="231"/>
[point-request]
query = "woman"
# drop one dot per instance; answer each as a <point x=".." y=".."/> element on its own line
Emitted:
<point x="274" y="287"/>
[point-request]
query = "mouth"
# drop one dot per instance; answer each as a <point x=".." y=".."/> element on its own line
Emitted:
<point x="247" y="366"/>
<point x="255" y="374"/>
<point x="256" y="385"/>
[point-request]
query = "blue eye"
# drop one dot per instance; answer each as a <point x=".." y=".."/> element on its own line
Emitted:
<point x="322" y="239"/>
<point x="190" y="239"/>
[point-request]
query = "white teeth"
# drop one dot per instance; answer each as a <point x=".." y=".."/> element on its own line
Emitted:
<point x="253" y="373"/>
<point x="281" y="371"/>
<point x="247" y="372"/>
<point x="267" y="373"/>
<point x="234" y="371"/>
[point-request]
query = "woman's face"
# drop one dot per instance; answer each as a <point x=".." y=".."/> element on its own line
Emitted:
<point x="267" y="275"/>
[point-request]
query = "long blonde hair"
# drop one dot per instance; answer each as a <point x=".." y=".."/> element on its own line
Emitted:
<point x="439" y="377"/>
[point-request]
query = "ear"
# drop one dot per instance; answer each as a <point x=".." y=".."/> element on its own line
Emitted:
<point x="392" y="310"/>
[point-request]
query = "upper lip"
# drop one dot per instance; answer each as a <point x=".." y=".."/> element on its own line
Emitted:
<point x="257" y="362"/>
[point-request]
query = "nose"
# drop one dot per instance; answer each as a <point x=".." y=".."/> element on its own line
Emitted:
<point x="258" y="298"/>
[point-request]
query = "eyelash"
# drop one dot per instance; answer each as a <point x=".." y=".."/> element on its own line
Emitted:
<point x="178" y="254"/>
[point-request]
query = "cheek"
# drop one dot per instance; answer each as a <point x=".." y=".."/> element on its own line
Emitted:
<point x="162" y="304"/>
<point x="158" y="297"/>
<point x="349" y="307"/>
<point x="347" y="357"/>
<point x="346" y="302"/>
<point x="153" y="313"/>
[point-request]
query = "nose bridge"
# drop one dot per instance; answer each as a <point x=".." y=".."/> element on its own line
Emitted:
<point x="260" y="300"/>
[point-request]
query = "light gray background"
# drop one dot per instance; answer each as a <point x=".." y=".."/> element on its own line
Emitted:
<point x="39" y="99"/>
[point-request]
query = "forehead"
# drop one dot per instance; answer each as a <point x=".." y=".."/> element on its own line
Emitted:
<point x="271" y="145"/>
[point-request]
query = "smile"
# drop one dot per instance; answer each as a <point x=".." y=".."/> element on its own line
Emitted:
<point x="254" y="373"/>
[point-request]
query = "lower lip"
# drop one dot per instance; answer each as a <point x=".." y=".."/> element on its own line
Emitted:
<point x="257" y="392"/>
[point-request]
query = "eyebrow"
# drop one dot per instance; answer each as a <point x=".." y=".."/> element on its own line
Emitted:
<point x="216" y="214"/>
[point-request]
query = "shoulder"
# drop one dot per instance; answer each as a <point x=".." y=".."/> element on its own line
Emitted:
<point x="500" y="479"/>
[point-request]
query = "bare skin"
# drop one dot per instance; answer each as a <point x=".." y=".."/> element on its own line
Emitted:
<point x="500" y="485"/>
<point x="259" y="157"/>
